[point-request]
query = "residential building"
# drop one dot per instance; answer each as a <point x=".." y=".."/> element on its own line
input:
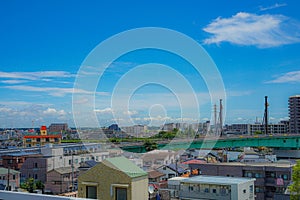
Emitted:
<point x="271" y="178"/>
<point x="9" y="176"/>
<point x="33" y="140"/>
<point x="61" y="180"/>
<point x="173" y="170"/>
<point x="294" y="113"/>
<point x="60" y="157"/>
<point x="17" y="159"/>
<point x="211" y="187"/>
<point x="58" y="127"/>
<point x="114" y="179"/>
<point x="157" y="158"/>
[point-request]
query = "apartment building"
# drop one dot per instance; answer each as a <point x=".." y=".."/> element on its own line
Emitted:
<point x="271" y="181"/>
<point x="211" y="187"/>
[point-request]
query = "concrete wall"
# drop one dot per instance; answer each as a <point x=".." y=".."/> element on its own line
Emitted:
<point x="138" y="190"/>
<point x="107" y="178"/>
<point x="6" y="195"/>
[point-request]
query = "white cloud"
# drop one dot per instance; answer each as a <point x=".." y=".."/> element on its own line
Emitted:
<point x="128" y="112"/>
<point x="249" y="29"/>
<point x="35" y="75"/>
<point x="276" y="5"/>
<point x="13" y="81"/>
<point x="53" y="91"/>
<point x="289" y="77"/>
<point x="105" y="110"/>
<point x="53" y="111"/>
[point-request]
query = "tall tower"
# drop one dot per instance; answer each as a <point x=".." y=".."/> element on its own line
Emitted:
<point x="221" y="117"/>
<point x="266" y="118"/>
<point x="294" y="112"/>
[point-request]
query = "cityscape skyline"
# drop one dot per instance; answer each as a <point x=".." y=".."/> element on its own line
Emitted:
<point x="254" y="46"/>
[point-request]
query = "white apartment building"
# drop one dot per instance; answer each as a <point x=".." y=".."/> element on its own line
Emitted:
<point x="211" y="187"/>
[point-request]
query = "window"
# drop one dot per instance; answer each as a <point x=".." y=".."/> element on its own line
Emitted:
<point x="14" y="177"/>
<point x="38" y="139"/>
<point x="244" y="191"/>
<point x="206" y="190"/>
<point x="70" y="162"/>
<point x="35" y="165"/>
<point x="56" y="140"/>
<point x="121" y="194"/>
<point x="35" y="176"/>
<point x="91" y="192"/>
<point x="214" y="191"/>
<point x="47" y="140"/>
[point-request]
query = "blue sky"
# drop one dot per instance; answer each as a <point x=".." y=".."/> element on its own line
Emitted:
<point x="254" y="44"/>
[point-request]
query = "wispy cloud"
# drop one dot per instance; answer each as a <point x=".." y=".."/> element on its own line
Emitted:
<point x="289" y="77"/>
<point x="53" y="111"/>
<point x="249" y="29"/>
<point x="105" y="110"/>
<point x="276" y="5"/>
<point x="53" y="91"/>
<point x="44" y="75"/>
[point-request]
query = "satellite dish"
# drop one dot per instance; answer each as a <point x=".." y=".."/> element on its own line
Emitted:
<point x="151" y="189"/>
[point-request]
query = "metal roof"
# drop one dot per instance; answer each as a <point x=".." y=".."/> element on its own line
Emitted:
<point x="5" y="171"/>
<point x="126" y="166"/>
<point x="221" y="180"/>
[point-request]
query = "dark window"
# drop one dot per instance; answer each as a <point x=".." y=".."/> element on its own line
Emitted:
<point x="244" y="191"/>
<point x="47" y="140"/>
<point x="14" y="177"/>
<point x="91" y="192"/>
<point x="214" y="191"/>
<point x="38" y="139"/>
<point x="35" y="176"/>
<point x="35" y="165"/>
<point x="121" y="194"/>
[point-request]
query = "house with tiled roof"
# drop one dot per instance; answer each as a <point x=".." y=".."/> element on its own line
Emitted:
<point x="114" y="179"/>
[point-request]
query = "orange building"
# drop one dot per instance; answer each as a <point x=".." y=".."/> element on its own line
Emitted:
<point x="35" y="140"/>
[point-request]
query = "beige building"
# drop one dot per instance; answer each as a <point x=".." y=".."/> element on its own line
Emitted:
<point x="114" y="179"/>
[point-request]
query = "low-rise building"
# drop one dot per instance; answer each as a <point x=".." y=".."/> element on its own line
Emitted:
<point x="36" y="140"/>
<point x="114" y="179"/>
<point x="11" y="177"/>
<point x="271" y="178"/>
<point x="211" y="187"/>
<point x="61" y="180"/>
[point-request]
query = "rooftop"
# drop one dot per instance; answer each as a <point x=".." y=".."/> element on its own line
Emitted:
<point x="223" y="180"/>
<point x="126" y="166"/>
<point x="5" y="171"/>
<point x="258" y="164"/>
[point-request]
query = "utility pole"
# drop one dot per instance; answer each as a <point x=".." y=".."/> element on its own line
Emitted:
<point x="8" y="172"/>
<point x="72" y="173"/>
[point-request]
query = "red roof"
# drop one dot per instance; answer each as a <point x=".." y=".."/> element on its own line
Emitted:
<point x="43" y="128"/>
<point x="194" y="161"/>
<point x="42" y="136"/>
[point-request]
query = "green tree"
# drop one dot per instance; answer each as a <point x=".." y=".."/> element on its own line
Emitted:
<point x="29" y="185"/>
<point x="39" y="185"/>
<point x="150" y="145"/>
<point x="295" y="186"/>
